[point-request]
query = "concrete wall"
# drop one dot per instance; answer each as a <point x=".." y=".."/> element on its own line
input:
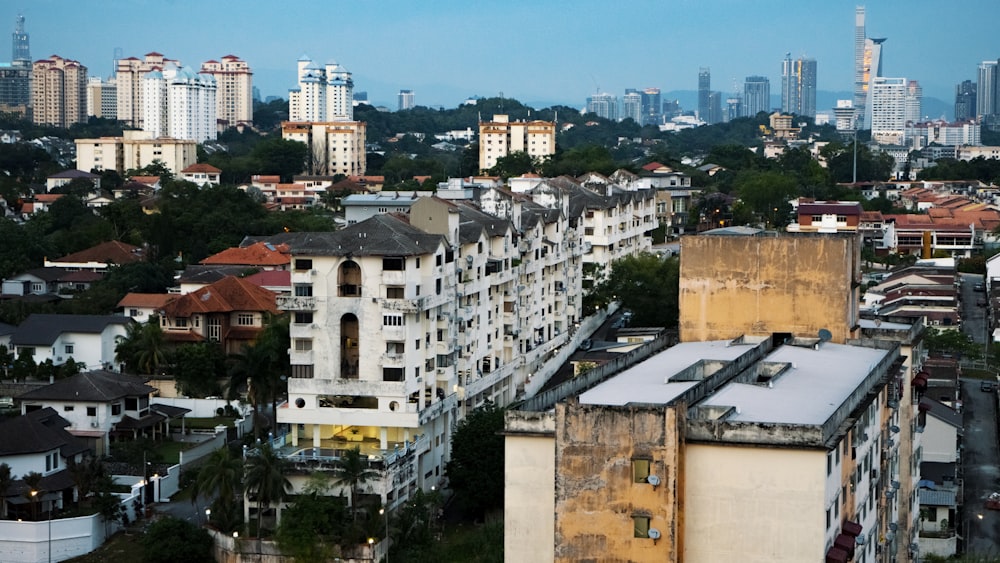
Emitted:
<point x="939" y="441"/>
<point x="754" y="504"/>
<point x="529" y="487"/>
<point x="733" y="285"/>
<point x="203" y="449"/>
<point x="596" y="494"/>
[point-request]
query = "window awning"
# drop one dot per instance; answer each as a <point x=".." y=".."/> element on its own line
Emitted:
<point x="846" y="543"/>
<point x="851" y="528"/>
<point x="836" y="555"/>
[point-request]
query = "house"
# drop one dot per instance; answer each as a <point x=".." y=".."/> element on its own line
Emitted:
<point x="87" y="339"/>
<point x="141" y="306"/>
<point x="37" y="281"/>
<point x="99" y="405"/>
<point x="261" y="255"/>
<point x="60" y="179"/>
<point x="38" y="442"/>
<point x="99" y="257"/>
<point x="231" y="311"/>
<point x="201" y="174"/>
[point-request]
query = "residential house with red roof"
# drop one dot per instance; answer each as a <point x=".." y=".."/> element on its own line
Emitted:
<point x="262" y="255"/>
<point x="141" y="306"/>
<point x="201" y="174"/>
<point x="231" y="311"/>
<point x="98" y="258"/>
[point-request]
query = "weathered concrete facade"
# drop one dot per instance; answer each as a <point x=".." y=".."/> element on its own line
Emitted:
<point x="605" y="503"/>
<point x="764" y="283"/>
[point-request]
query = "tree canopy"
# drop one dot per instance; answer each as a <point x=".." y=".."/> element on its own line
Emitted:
<point x="646" y="284"/>
<point x="476" y="469"/>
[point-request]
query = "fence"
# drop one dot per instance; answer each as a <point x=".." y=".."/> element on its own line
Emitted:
<point x="547" y="399"/>
<point x="587" y="327"/>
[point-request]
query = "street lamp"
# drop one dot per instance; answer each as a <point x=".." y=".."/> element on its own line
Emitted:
<point x="382" y="511"/>
<point x="34" y="498"/>
<point x="371" y="548"/>
<point x="208" y="514"/>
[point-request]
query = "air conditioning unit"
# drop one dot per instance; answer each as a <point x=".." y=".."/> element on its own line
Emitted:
<point x="94" y="424"/>
<point x="313" y="272"/>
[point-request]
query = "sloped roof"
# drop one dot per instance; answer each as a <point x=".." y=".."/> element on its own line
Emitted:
<point x="73" y="173"/>
<point x="49" y="274"/>
<point x="38" y="431"/>
<point x="43" y="329"/>
<point x="111" y="252"/>
<point x="942" y="412"/>
<point x="146" y="300"/>
<point x="98" y="386"/>
<point x="226" y="295"/>
<point x="381" y="235"/>
<point x="202" y="168"/>
<point x="202" y="274"/>
<point x="271" y="278"/>
<point x="259" y="254"/>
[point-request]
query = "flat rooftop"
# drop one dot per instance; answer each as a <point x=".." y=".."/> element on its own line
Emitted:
<point x="817" y="384"/>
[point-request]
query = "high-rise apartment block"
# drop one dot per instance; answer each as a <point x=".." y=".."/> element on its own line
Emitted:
<point x="756" y="95"/>
<point x="846" y="116"/>
<point x="987" y="97"/>
<point x="179" y="103"/>
<point x="912" y="100"/>
<point x="324" y="93"/>
<point x="20" y="46"/>
<point x="102" y="98"/>
<point x="134" y="149"/>
<point x="632" y="105"/>
<point x="798" y="86"/>
<point x="965" y="100"/>
<point x="129" y="73"/>
<point x="335" y="147"/>
<point x="603" y="105"/>
<point x="234" y="90"/>
<point x="888" y="110"/>
<point x="651" y="106"/>
<point x="704" y="91"/>
<point x="860" y="33"/>
<point x="58" y="92"/>
<point x="405" y="100"/>
<point x="501" y="137"/>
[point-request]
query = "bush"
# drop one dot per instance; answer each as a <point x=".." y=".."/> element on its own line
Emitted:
<point x="170" y="540"/>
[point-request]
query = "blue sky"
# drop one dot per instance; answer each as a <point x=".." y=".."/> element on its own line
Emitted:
<point x="531" y="50"/>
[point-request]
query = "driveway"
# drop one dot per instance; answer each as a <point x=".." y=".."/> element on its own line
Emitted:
<point x="980" y="469"/>
<point x="973" y="316"/>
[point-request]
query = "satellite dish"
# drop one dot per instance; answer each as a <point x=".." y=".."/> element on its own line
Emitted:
<point x="653" y="480"/>
<point x="825" y="335"/>
<point x="654" y="533"/>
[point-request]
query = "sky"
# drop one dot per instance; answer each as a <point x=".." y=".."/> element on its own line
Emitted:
<point x="540" y="52"/>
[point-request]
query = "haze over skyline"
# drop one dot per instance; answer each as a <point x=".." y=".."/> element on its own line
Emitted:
<point x="446" y="51"/>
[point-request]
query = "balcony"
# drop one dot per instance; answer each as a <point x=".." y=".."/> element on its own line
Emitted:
<point x="296" y="303"/>
<point x="392" y="359"/>
<point x="403" y="305"/>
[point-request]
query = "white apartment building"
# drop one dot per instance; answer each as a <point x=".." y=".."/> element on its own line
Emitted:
<point x="234" y="94"/>
<point x="324" y="93"/>
<point x="335" y="147"/>
<point x="888" y="111"/>
<point x="179" y="103"/>
<point x="129" y="74"/>
<point x="134" y="149"/>
<point x="501" y="137"/>
<point x="102" y="98"/>
<point x="941" y="132"/>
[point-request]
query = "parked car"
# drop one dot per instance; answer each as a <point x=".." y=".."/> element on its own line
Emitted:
<point x="986" y="387"/>
<point x="979" y="287"/>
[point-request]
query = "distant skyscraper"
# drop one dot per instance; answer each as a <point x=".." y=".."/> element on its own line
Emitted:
<point x="965" y="100"/>
<point x="671" y="109"/>
<point x="860" y="89"/>
<point x="734" y="108"/>
<point x="845" y="116"/>
<point x="986" y="90"/>
<point x="129" y="74"/>
<point x="603" y="105"/>
<point x="872" y="70"/>
<point x="58" y="92"/>
<point x="405" y="99"/>
<point x="234" y="93"/>
<point x="756" y="95"/>
<point x="704" y="88"/>
<point x="888" y="110"/>
<point x="651" y="106"/>
<point x="102" y="99"/>
<point x="325" y="93"/>
<point x="714" y="107"/>
<point x="911" y="102"/>
<point x="798" y="86"/>
<point x="632" y="105"/>
<point x="20" y="50"/>
<point x="180" y="103"/>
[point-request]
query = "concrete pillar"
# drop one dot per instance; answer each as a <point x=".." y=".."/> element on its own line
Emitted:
<point x="316" y="443"/>
<point x="383" y="438"/>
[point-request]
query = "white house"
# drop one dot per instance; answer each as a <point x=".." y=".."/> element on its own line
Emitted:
<point x="87" y="339"/>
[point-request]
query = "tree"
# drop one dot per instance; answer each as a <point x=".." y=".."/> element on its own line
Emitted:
<point x="86" y="476"/>
<point x="476" y="469"/>
<point x="265" y="479"/>
<point x="197" y="368"/>
<point x="944" y="341"/>
<point x="352" y="470"/>
<point x="6" y="479"/>
<point x="645" y="284"/>
<point x="218" y="480"/>
<point x="33" y="493"/>
<point x="260" y="367"/>
<point x="311" y="527"/>
<point x="767" y="194"/>
<point x="514" y="164"/>
<point x="141" y="349"/>
<point x="170" y="539"/>
<point x="280" y="157"/>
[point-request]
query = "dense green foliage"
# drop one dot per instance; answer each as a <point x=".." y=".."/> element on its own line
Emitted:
<point x="170" y="539"/>
<point x="646" y="284"/>
<point x="983" y="169"/>
<point x="476" y="469"/>
<point x="312" y="527"/>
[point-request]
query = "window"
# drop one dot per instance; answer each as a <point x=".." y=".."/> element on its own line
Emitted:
<point x="180" y="322"/>
<point x="393" y="264"/>
<point x="841" y="218"/>
<point x="244" y="319"/>
<point x="817" y="218"/>
<point x="133" y="312"/>
<point x="302" y="371"/>
<point x="91" y="411"/>
<point x="392" y="374"/>
<point x="303" y="290"/>
<point x="640" y="470"/>
<point x="392" y="320"/>
<point x="68" y="349"/>
<point x="116" y="409"/>
<point x="394" y="293"/>
<point x="641" y="526"/>
<point x="68" y="408"/>
<point x="303" y="318"/>
<point x="303" y="344"/>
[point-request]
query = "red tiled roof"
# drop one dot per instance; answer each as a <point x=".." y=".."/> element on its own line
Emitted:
<point x="47" y="198"/>
<point x="111" y="252"/>
<point x="271" y="278"/>
<point x="654" y="166"/>
<point x="149" y="300"/>
<point x="81" y="276"/>
<point x="201" y="167"/>
<point x="259" y="254"/>
<point x="148" y="180"/>
<point x="224" y="296"/>
<point x="265" y="179"/>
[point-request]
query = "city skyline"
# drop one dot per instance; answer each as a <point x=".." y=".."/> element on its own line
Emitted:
<point x="724" y="35"/>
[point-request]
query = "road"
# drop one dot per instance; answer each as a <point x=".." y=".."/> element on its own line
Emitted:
<point x="980" y="469"/>
<point x="973" y="316"/>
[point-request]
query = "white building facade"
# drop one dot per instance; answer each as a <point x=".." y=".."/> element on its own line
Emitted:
<point x="324" y="93"/>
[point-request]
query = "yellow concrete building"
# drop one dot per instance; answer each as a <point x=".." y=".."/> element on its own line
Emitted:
<point x="134" y="149"/>
<point x="738" y="281"/>
<point x="234" y="93"/>
<point x="58" y="92"/>
<point x="501" y="137"/>
<point x="335" y="147"/>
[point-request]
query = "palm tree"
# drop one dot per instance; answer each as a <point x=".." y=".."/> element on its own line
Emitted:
<point x="86" y="475"/>
<point x="352" y="470"/>
<point x="33" y="481"/>
<point x="265" y="479"/>
<point x="218" y="479"/>
<point x="5" y="481"/>
<point x="260" y="367"/>
<point x="141" y="349"/>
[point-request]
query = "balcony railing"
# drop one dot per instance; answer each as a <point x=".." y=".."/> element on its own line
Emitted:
<point x="296" y="303"/>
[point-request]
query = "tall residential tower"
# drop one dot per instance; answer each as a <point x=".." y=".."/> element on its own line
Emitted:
<point x="756" y="95"/>
<point x="704" y="92"/>
<point x="798" y="86"/>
